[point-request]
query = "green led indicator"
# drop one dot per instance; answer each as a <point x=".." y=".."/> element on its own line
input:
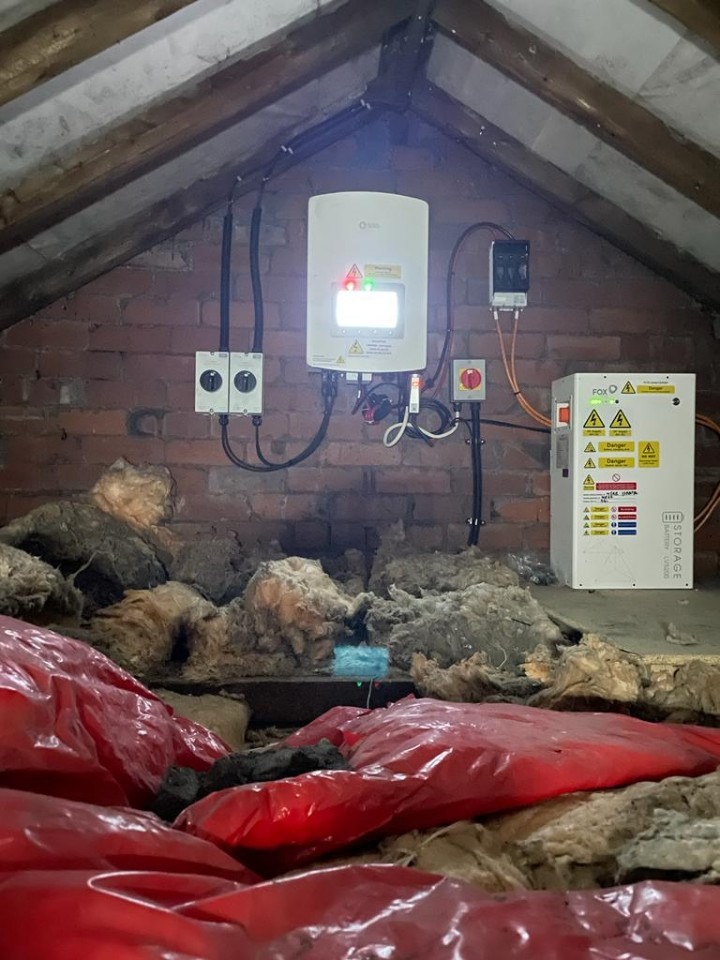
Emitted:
<point x="368" y="284"/>
<point x="595" y="401"/>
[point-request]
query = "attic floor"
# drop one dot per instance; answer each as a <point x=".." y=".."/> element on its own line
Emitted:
<point x="636" y="620"/>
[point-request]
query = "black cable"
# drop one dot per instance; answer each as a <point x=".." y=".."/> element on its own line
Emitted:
<point x="366" y="392"/>
<point x="477" y="478"/>
<point x="225" y="263"/>
<point x="449" y="305"/>
<point x="516" y="426"/>
<point x="255" y="277"/>
<point x="329" y="390"/>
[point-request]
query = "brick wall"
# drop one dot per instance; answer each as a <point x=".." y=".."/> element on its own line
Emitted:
<point x="109" y="370"/>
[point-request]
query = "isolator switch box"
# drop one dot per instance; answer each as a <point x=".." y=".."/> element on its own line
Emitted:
<point x="468" y="381"/>
<point x="212" y="389"/>
<point x="246" y="384"/>
<point x="509" y="274"/>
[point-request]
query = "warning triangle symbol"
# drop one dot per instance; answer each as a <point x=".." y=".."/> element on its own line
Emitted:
<point x="590" y="464"/>
<point x="340" y="360"/>
<point x="586" y="510"/>
<point x="587" y="526"/>
<point x="589" y="482"/>
<point x="628" y="388"/>
<point x="590" y="448"/>
<point x="354" y="273"/>
<point x="649" y="449"/>
<point x="587" y="533"/>
<point x="356" y="349"/>
<point x="620" y="421"/>
<point x="594" y="420"/>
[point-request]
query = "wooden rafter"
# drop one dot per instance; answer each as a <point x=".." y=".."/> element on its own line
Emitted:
<point x="701" y="17"/>
<point x="603" y="110"/>
<point x="116" y="244"/>
<point x="563" y="191"/>
<point x="172" y="128"/>
<point x="68" y="32"/>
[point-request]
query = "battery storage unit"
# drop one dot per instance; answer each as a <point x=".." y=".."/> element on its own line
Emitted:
<point x="622" y="480"/>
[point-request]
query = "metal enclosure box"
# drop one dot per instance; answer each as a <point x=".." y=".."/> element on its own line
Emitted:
<point x="367" y="283"/>
<point x="212" y="382"/>
<point x="622" y="480"/>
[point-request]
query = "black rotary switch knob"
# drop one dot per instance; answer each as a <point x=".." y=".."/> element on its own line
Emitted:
<point x="211" y="381"/>
<point x="245" y="381"/>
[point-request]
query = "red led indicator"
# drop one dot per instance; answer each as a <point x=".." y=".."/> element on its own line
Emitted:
<point x="349" y="284"/>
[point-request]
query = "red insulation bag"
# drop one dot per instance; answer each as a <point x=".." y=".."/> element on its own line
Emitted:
<point x="347" y="913"/>
<point x="422" y="763"/>
<point x="74" y="725"/>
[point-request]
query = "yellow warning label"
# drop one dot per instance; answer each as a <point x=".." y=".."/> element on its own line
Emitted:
<point x="356" y="350"/>
<point x="594" y="421"/>
<point x="599" y="533"/>
<point x="354" y="273"/>
<point x="628" y="388"/>
<point x="620" y="425"/>
<point x="656" y="388"/>
<point x="599" y="509"/>
<point x="590" y="448"/>
<point x="649" y="453"/>
<point x="383" y="271"/>
<point x="617" y="446"/>
<point x="616" y="463"/>
<point x="620" y="421"/>
<point x="589" y="464"/>
<point x="340" y="360"/>
<point x="589" y="483"/>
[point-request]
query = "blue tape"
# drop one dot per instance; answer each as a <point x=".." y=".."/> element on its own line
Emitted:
<point x="361" y="661"/>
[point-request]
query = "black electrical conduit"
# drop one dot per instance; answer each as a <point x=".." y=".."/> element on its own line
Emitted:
<point x="315" y="140"/>
<point x="477" y="475"/>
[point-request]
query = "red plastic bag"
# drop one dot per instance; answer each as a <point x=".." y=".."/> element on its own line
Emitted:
<point x="422" y="763"/>
<point x="348" y="913"/>
<point x="49" y="833"/>
<point x="74" y="725"/>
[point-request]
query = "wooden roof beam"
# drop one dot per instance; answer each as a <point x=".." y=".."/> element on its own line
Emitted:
<point x="581" y="203"/>
<point x="68" y="32"/>
<point x="52" y="194"/>
<point x="611" y="116"/>
<point x="118" y="243"/>
<point x="701" y="17"/>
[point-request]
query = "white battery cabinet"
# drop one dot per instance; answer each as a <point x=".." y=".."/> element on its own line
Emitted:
<point x="622" y="480"/>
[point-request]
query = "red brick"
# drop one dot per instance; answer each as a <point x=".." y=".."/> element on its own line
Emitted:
<point x="354" y="455"/>
<point x="413" y="481"/>
<point x="48" y="335"/>
<point x="17" y="361"/>
<point x="154" y="312"/>
<point x="105" y="450"/>
<point x="220" y="510"/>
<point x="121" y="282"/>
<point x="98" y="365"/>
<point x="312" y="536"/>
<point x="433" y="509"/>
<point x="583" y="347"/>
<point x="302" y="479"/>
<point x="129" y="340"/>
<point x="139" y="367"/>
<point x="536" y="539"/>
<point x="186" y="287"/>
<point x="114" y="394"/>
<point x="625" y="320"/>
<point x="185" y="426"/>
<point x="282" y="506"/>
<point x="104" y="423"/>
<point x="388" y="508"/>
<point x="187" y="340"/>
<point x="207" y="452"/>
<point x="536" y="509"/>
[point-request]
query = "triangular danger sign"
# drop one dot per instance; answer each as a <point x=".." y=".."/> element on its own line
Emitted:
<point x="620" y="422"/>
<point x="628" y="388"/>
<point x="356" y="350"/>
<point x="649" y="450"/>
<point x="340" y="360"/>
<point x="589" y="464"/>
<point x="354" y="273"/>
<point x="590" y="448"/>
<point x="594" y="420"/>
<point x="589" y="482"/>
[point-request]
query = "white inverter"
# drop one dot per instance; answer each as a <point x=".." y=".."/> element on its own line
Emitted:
<point x="622" y="480"/>
<point x="367" y="283"/>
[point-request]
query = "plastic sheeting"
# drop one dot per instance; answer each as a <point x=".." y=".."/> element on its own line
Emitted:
<point x="422" y="763"/>
<point x="50" y="833"/>
<point x="346" y="913"/>
<point x="74" y="725"/>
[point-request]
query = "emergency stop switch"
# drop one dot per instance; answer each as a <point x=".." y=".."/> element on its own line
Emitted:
<point x="468" y="381"/>
<point x="562" y="415"/>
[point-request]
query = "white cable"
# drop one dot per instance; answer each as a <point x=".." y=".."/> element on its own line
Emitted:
<point x="440" y="436"/>
<point x="398" y="428"/>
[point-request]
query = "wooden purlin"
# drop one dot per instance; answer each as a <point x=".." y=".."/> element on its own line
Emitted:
<point x="607" y="113"/>
<point x="67" y="33"/>
<point x="701" y="17"/>
<point x="52" y="194"/>
<point x="488" y="141"/>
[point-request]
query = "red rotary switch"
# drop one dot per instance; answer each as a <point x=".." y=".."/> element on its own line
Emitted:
<point x="470" y="379"/>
